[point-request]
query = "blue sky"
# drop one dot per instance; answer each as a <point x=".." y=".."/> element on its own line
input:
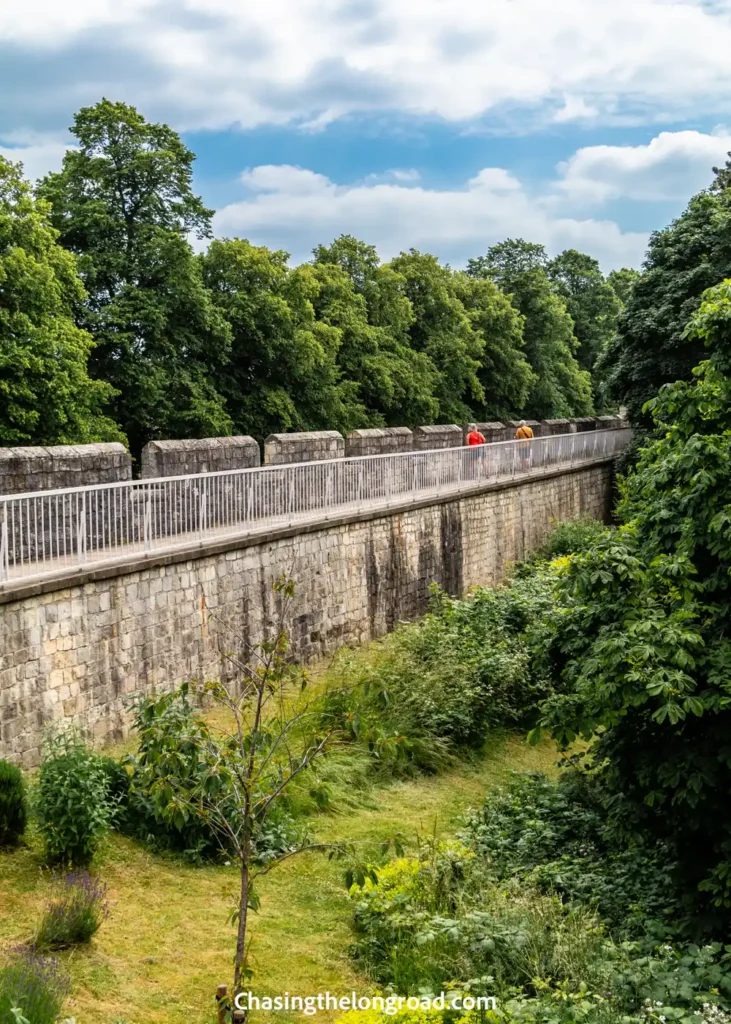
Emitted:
<point x="420" y="123"/>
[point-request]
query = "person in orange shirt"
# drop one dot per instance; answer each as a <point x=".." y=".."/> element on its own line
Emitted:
<point x="524" y="434"/>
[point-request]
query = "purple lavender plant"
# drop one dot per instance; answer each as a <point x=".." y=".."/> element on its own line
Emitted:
<point x="75" y="914"/>
<point x="33" y="986"/>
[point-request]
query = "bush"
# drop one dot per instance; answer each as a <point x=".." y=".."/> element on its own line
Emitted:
<point x="73" y="811"/>
<point x="75" y="914"/>
<point x="555" y="836"/>
<point x="33" y="987"/>
<point x="13" y="810"/>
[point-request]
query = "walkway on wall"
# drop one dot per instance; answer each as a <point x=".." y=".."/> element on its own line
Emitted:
<point x="46" y="534"/>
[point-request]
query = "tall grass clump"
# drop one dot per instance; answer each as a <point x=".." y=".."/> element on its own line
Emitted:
<point x="13" y="805"/>
<point x="33" y="988"/>
<point x="75" y="914"/>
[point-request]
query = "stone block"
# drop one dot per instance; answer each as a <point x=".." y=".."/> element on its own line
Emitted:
<point x="442" y="435"/>
<point x="308" y="446"/>
<point x="551" y="427"/>
<point x="583" y="423"/>
<point x="378" y="441"/>
<point x="199" y="455"/>
<point x="32" y="469"/>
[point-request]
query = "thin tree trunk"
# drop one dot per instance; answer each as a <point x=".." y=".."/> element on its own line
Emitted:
<point x="243" y="913"/>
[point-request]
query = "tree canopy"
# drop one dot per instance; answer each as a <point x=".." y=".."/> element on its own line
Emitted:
<point x="683" y="260"/>
<point x="643" y="637"/>
<point x="123" y="203"/>
<point x="46" y="394"/>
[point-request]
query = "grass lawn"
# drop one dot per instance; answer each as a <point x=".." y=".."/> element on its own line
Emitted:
<point x="167" y="943"/>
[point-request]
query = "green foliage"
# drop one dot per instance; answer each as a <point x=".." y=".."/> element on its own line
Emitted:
<point x="13" y="805"/>
<point x="683" y="260"/>
<point x="559" y="387"/>
<point x="33" y="988"/>
<point x="556" y="837"/>
<point x="641" y="640"/>
<point x="46" y="394"/>
<point x="71" y="802"/>
<point x="123" y="203"/>
<point x="75" y="914"/>
<point x="591" y="301"/>
<point x="443" y="331"/>
<point x="438" y="686"/>
<point x="569" y="537"/>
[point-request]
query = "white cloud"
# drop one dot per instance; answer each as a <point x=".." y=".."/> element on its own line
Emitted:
<point x="37" y="154"/>
<point x="292" y="208"/>
<point x="213" y="63"/>
<point x="671" y="167"/>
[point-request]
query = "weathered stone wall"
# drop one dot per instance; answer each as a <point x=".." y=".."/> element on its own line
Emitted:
<point x="46" y="469"/>
<point x="311" y="446"/>
<point x="442" y="435"/>
<point x="378" y="441"/>
<point x="77" y="653"/>
<point x="551" y="427"/>
<point x="493" y="431"/>
<point x="204" y="455"/>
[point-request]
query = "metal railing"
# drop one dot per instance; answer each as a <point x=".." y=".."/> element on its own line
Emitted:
<point x="49" y="532"/>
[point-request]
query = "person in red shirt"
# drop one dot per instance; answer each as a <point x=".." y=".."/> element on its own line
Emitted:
<point x="474" y="437"/>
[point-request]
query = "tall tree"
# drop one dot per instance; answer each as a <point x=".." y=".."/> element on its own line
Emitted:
<point x="46" y="394"/>
<point x="443" y="331"/>
<point x="560" y="387"/>
<point x="504" y="373"/>
<point x="590" y="300"/>
<point x="368" y="303"/>
<point x="283" y="372"/>
<point x="692" y="254"/>
<point x="123" y="202"/>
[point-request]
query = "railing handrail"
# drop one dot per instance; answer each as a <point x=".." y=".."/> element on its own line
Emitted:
<point x="149" y="481"/>
<point x="55" y="532"/>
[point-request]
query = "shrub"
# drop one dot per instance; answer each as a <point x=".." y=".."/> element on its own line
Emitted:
<point x="75" y="914"/>
<point x="33" y="987"/>
<point x="73" y="810"/>
<point x="13" y="810"/>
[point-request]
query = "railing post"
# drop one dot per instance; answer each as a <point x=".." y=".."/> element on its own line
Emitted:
<point x="147" y="521"/>
<point x="203" y="507"/>
<point x="81" y="531"/>
<point x="4" y="556"/>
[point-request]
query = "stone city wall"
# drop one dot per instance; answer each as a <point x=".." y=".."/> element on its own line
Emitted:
<point x="75" y="654"/>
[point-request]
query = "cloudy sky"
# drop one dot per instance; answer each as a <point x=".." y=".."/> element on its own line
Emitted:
<point x="446" y="125"/>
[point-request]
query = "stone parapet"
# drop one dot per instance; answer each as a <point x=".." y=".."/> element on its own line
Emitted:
<point x="378" y="441"/>
<point x="551" y="427"/>
<point x="309" y="446"/>
<point x="443" y="435"/>
<point x="47" y="469"/>
<point x="204" y="455"/>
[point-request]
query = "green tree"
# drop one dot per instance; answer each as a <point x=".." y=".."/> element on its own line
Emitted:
<point x="46" y="394"/>
<point x="560" y="387"/>
<point x="367" y="302"/>
<point x="123" y="203"/>
<point x="591" y="301"/>
<point x="283" y="372"/>
<point x="642" y="637"/>
<point x="682" y="261"/>
<point x="623" y="282"/>
<point x="507" y="260"/>
<point x="443" y="331"/>
<point x="504" y="373"/>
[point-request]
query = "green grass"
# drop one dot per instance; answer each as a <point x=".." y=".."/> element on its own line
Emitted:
<point x="167" y="943"/>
